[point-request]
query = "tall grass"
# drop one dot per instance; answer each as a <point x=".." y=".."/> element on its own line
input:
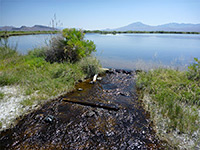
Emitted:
<point x="42" y="79"/>
<point x="174" y="95"/>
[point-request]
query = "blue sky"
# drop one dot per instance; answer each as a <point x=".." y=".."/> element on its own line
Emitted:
<point x="98" y="14"/>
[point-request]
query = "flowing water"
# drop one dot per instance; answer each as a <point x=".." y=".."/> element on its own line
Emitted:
<point x="61" y="124"/>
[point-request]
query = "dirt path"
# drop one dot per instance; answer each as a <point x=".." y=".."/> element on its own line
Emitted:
<point x="65" y="125"/>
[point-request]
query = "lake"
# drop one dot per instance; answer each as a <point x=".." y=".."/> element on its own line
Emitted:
<point x="130" y="51"/>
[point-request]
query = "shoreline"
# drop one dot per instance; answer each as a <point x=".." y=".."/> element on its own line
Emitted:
<point x="6" y="34"/>
<point x="139" y="32"/>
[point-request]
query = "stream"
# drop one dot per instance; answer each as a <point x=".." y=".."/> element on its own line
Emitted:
<point x="104" y="115"/>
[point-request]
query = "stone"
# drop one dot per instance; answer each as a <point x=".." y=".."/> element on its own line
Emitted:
<point x="80" y="81"/>
<point x="39" y="116"/>
<point x="80" y="89"/>
<point x="90" y="114"/>
<point x="49" y="118"/>
<point x="111" y="71"/>
<point x="99" y="78"/>
<point x="91" y="82"/>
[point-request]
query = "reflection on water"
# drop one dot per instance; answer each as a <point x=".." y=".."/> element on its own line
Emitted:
<point x="25" y="43"/>
<point x="130" y="51"/>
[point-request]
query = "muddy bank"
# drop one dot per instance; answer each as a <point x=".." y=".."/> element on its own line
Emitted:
<point x="62" y="124"/>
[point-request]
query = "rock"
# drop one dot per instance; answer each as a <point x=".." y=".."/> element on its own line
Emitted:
<point x="80" y="89"/>
<point x="99" y="78"/>
<point x="124" y="94"/>
<point x="49" y="118"/>
<point x="90" y="114"/>
<point x="39" y="116"/>
<point x="118" y="70"/>
<point x="128" y="72"/>
<point x="110" y="71"/>
<point x="91" y="82"/>
<point x="80" y="80"/>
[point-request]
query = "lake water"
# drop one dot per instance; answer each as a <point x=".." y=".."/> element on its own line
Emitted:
<point x="130" y="51"/>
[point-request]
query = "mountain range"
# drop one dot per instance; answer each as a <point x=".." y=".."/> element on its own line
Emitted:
<point x="25" y="28"/>
<point x="138" y="26"/>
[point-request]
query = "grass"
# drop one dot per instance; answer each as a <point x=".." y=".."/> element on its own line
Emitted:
<point x="40" y="79"/>
<point x="1" y="95"/>
<point x="173" y="95"/>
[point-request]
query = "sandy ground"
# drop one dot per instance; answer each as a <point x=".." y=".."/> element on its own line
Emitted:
<point x="10" y="105"/>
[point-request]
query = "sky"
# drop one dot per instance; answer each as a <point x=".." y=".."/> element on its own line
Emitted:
<point x="97" y="14"/>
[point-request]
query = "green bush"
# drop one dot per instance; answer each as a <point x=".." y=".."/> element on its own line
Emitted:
<point x="194" y="70"/>
<point x="90" y="66"/>
<point x="38" y="52"/>
<point x="69" y="47"/>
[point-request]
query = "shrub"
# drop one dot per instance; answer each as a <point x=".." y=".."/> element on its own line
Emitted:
<point x="90" y="66"/>
<point x="69" y="47"/>
<point x="194" y="70"/>
<point x="38" y="52"/>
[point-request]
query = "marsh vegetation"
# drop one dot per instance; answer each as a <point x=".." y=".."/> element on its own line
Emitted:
<point x="50" y="71"/>
<point x="173" y="99"/>
<point x="6" y="34"/>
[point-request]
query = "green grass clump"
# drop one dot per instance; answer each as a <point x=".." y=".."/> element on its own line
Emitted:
<point x="176" y="95"/>
<point x="194" y="70"/>
<point x="6" y="52"/>
<point x="1" y="95"/>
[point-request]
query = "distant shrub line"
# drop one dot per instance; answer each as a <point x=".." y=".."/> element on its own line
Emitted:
<point x="5" y="34"/>
<point x="151" y="32"/>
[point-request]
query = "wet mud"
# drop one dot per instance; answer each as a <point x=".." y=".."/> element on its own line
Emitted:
<point x="70" y="122"/>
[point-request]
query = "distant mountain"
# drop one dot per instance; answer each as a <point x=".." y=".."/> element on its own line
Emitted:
<point x="138" y="26"/>
<point x="25" y="28"/>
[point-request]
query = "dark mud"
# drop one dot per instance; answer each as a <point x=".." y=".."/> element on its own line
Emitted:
<point x="61" y="124"/>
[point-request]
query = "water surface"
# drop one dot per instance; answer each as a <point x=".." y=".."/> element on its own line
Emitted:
<point x="129" y="51"/>
<point x="138" y="50"/>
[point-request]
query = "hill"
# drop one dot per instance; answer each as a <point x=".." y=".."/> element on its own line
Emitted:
<point x="25" y="28"/>
<point x="138" y="26"/>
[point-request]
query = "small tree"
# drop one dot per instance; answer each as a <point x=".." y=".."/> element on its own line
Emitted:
<point x="70" y="47"/>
